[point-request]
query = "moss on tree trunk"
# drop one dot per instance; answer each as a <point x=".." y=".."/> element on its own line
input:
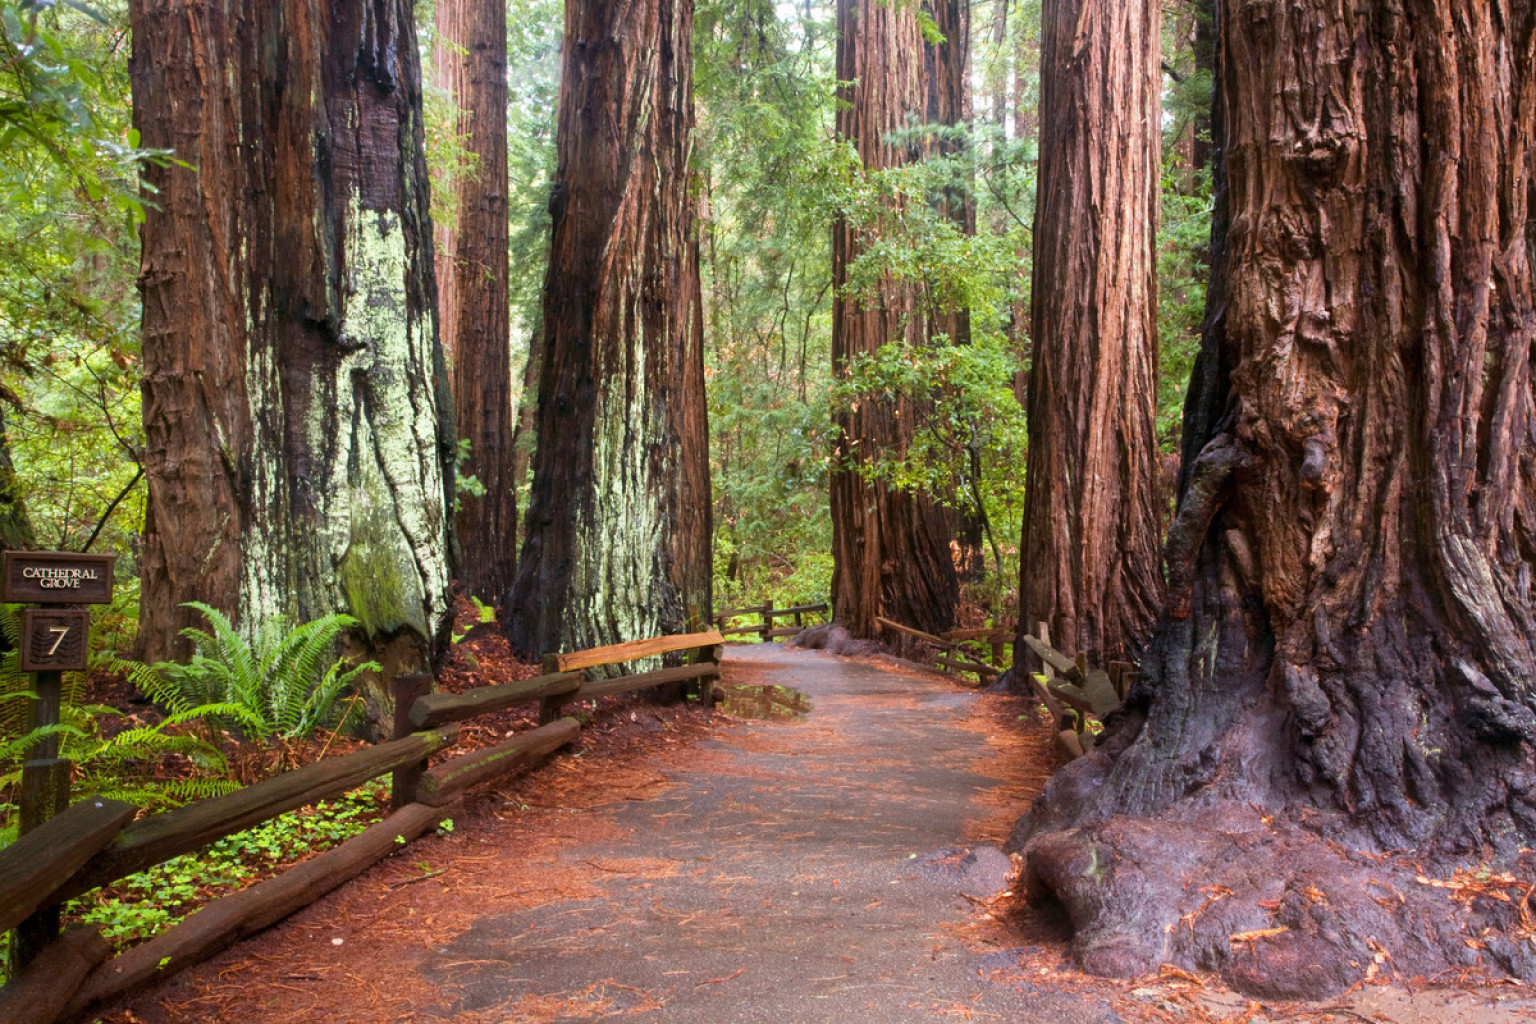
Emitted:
<point x="299" y="429"/>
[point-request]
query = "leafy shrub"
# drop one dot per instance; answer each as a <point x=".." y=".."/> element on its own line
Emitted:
<point x="281" y="683"/>
<point x="114" y="755"/>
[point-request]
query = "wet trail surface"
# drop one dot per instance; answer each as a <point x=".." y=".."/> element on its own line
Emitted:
<point x="819" y="862"/>
<point x="812" y="865"/>
<point x="812" y="869"/>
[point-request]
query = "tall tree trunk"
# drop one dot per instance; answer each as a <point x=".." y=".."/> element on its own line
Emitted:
<point x="525" y="426"/>
<point x="1348" y="650"/>
<point x="618" y="534"/>
<point x="947" y="88"/>
<point x="299" y="432"/>
<point x="1089" y="561"/>
<point x="890" y="548"/>
<point x="470" y="61"/>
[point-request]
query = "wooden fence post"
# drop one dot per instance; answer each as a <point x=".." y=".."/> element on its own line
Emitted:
<point x="408" y="689"/>
<point x="44" y="794"/>
<point x="707" y="685"/>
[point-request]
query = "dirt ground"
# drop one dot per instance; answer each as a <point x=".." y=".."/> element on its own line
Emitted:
<point x="824" y="850"/>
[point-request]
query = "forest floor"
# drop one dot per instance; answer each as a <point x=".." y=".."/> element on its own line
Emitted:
<point x="823" y="850"/>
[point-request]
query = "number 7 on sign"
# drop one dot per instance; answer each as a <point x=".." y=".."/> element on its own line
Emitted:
<point x="60" y="632"/>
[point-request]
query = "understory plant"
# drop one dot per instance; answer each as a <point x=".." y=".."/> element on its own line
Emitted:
<point x="155" y="766"/>
<point x="142" y="905"/>
<point x="281" y="683"/>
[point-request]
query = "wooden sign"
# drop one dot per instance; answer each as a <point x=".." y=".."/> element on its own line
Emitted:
<point x="56" y="577"/>
<point x="54" y="639"/>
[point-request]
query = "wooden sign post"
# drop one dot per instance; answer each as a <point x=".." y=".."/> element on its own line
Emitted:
<point x="53" y="641"/>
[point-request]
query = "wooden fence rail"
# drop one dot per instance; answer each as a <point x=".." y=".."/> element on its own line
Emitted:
<point x="766" y="628"/>
<point x="35" y="866"/>
<point x="96" y="842"/>
<point x="950" y="657"/>
<point x="707" y="648"/>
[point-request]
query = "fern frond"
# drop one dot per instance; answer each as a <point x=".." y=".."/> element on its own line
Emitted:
<point x="20" y="746"/>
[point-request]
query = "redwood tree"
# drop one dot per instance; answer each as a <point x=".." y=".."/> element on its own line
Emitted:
<point x="1348" y="648"/>
<point x="618" y="531"/>
<point x="947" y="102"/>
<point x="1089" y="564"/>
<point x="890" y="547"/>
<point x="298" y="432"/>
<point x="470" y="63"/>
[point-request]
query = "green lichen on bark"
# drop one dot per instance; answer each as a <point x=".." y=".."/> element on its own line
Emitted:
<point x="375" y="544"/>
<point x="618" y="589"/>
<point x="393" y="556"/>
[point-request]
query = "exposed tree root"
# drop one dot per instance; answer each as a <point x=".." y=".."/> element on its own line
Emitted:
<point x="1276" y="911"/>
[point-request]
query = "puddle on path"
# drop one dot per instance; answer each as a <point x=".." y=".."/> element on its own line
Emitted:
<point x="780" y="703"/>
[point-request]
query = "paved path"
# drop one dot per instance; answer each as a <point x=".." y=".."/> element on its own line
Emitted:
<point x="775" y="872"/>
<point x="810" y="871"/>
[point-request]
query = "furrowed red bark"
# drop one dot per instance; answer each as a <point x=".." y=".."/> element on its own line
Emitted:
<point x="299" y="432"/>
<point x="618" y="534"/>
<point x="1347" y="650"/>
<point x="1089" y="564"/>
<point x="890" y="548"/>
<point x="947" y="101"/>
<point x="470" y="62"/>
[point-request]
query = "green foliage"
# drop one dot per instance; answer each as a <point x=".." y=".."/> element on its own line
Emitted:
<point x="147" y="903"/>
<point x="909" y="216"/>
<point x="115" y="755"/>
<point x="1183" y="239"/>
<point x="486" y="612"/>
<point x="764" y="86"/>
<point x="69" y="206"/>
<point x="969" y="446"/>
<point x="465" y="483"/>
<point x="283" y="681"/>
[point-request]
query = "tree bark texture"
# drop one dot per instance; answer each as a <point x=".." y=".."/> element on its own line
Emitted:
<point x="1089" y="563"/>
<point x="1347" y="647"/>
<point x="299" y="436"/>
<point x="890" y="548"/>
<point x="470" y="62"/>
<point x="947" y="101"/>
<point x="618" y="533"/>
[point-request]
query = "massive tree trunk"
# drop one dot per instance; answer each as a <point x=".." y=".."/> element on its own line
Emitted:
<point x="618" y="533"/>
<point x="1089" y="562"/>
<point x="470" y="62"/>
<point x="947" y="101"/>
<point x="1347" y="648"/>
<point x="298" y="430"/>
<point x="890" y="548"/>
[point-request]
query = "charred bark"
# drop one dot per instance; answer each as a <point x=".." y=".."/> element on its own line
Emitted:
<point x="618" y="532"/>
<point x="299" y="432"/>
<point x="473" y="302"/>
<point x="1347" y="652"/>
<point x="890" y="547"/>
<point x="1089" y="564"/>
